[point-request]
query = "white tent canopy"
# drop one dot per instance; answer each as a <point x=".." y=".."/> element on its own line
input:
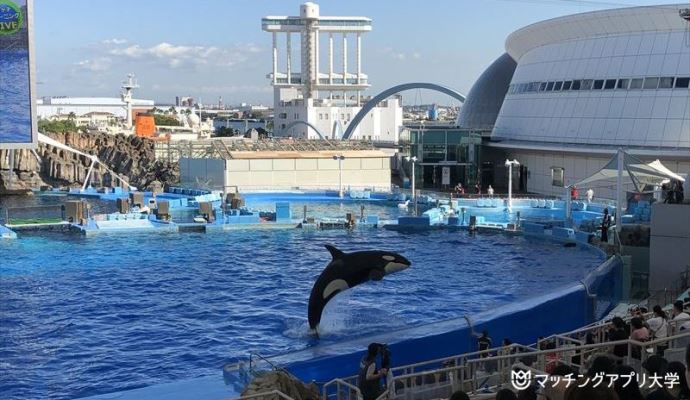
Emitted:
<point x="624" y="168"/>
<point x="633" y="169"/>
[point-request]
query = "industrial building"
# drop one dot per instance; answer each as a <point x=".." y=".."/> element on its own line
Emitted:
<point x="244" y="165"/>
<point x="570" y="91"/>
<point x="310" y="103"/>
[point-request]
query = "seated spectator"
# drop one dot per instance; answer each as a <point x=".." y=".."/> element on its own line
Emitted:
<point x="601" y="365"/>
<point x="528" y="394"/>
<point x="505" y="394"/>
<point x="583" y="390"/>
<point x="555" y="390"/>
<point x="680" y="391"/>
<point x="655" y="365"/>
<point x="459" y="395"/>
<point x="627" y="390"/>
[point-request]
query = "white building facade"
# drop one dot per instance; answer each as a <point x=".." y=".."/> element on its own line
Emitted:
<point x="588" y="84"/>
<point x="326" y="100"/>
<point x="54" y="106"/>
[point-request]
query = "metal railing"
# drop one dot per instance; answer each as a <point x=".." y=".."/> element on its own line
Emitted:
<point x="270" y="395"/>
<point x="256" y="360"/>
<point x="339" y="389"/>
<point x="488" y="374"/>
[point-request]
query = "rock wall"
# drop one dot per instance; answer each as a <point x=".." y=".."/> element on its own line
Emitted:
<point x="131" y="157"/>
<point x="278" y="380"/>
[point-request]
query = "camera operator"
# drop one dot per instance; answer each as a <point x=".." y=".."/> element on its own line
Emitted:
<point x="369" y="376"/>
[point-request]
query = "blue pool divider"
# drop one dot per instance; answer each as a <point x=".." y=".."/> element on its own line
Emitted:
<point x="564" y="309"/>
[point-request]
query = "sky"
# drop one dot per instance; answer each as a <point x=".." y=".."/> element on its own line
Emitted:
<point x="211" y="48"/>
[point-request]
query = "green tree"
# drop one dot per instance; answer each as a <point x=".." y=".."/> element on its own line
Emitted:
<point x="165" y="120"/>
<point x="71" y="116"/>
<point x="46" y="126"/>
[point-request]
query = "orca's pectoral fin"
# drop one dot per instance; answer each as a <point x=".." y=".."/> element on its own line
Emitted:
<point x="335" y="253"/>
<point x="376" y="274"/>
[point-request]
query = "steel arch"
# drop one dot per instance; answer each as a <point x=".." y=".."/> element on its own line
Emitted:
<point x="391" y="91"/>
<point x="294" y="123"/>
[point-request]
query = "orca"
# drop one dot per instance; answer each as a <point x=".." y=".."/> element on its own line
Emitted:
<point x="347" y="270"/>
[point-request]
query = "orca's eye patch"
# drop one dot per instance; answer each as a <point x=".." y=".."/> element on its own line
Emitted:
<point x="388" y="258"/>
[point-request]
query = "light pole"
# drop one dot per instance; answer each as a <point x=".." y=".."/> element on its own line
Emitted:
<point x="340" y="159"/>
<point x="509" y="164"/>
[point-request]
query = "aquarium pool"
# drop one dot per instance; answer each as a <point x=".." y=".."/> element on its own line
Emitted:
<point x="82" y="315"/>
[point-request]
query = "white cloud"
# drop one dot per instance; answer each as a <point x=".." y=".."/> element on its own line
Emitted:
<point x="98" y="64"/>
<point x="177" y="56"/>
<point x="416" y="56"/>
<point x="114" y="41"/>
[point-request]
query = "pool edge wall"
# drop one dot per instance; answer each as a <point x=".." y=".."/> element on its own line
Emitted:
<point x="564" y="309"/>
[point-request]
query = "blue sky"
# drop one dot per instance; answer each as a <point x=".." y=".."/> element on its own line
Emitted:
<point x="211" y="48"/>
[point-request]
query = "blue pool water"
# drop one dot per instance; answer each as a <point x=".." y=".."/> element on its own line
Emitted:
<point x="81" y="315"/>
<point x="15" y="110"/>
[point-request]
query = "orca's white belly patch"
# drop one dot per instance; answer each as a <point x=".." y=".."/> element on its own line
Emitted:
<point x="334" y="287"/>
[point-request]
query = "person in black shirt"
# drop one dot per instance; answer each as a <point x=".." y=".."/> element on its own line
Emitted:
<point x="605" y="224"/>
<point x="616" y="333"/>
<point x="484" y="343"/>
<point x="369" y="377"/>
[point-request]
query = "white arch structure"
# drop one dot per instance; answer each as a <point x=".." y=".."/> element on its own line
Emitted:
<point x="391" y="91"/>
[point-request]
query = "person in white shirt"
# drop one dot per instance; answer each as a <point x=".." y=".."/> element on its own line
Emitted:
<point x="590" y="195"/>
<point x="658" y="323"/>
<point x="490" y="191"/>
<point x="679" y="315"/>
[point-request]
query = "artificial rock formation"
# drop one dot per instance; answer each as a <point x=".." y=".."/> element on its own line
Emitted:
<point x="131" y="157"/>
<point x="283" y="382"/>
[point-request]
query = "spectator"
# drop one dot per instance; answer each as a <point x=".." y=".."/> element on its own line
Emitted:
<point x="605" y="224"/>
<point x="478" y="187"/>
<point x="617" y="332"/>
<point x="601" y="365"/>
<point x="483" y="343"/>
<point x="687" y="363"/>
<point x="658" y="327"/>
<point x="640" y="333"/>
<point x="459" y="395"/>
<point x="585" y="391"/>
<point x="369" y="378"/>
<point x="627" y="390"/>
<point x="655" y="365"/>
<point x="680" y="391"/>
<point x="680" y="315"/>
<point x="590" y="195"/>
<point x="555" y="390"/>
<point x="490" y="191"/>
<point x="573" y="193"/>
<point x="527" y="394"/>
<point x="505" y="394"/>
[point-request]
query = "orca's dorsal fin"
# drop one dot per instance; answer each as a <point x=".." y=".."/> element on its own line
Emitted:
<point x="335" y="253"/>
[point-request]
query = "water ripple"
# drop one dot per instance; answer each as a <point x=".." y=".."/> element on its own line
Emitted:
<point x="81" y="317"/>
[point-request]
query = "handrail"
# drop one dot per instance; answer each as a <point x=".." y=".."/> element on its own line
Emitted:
<point x="467" y="372"/>
<point x="338" y="382"/>
<point x="274" y="366"/>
